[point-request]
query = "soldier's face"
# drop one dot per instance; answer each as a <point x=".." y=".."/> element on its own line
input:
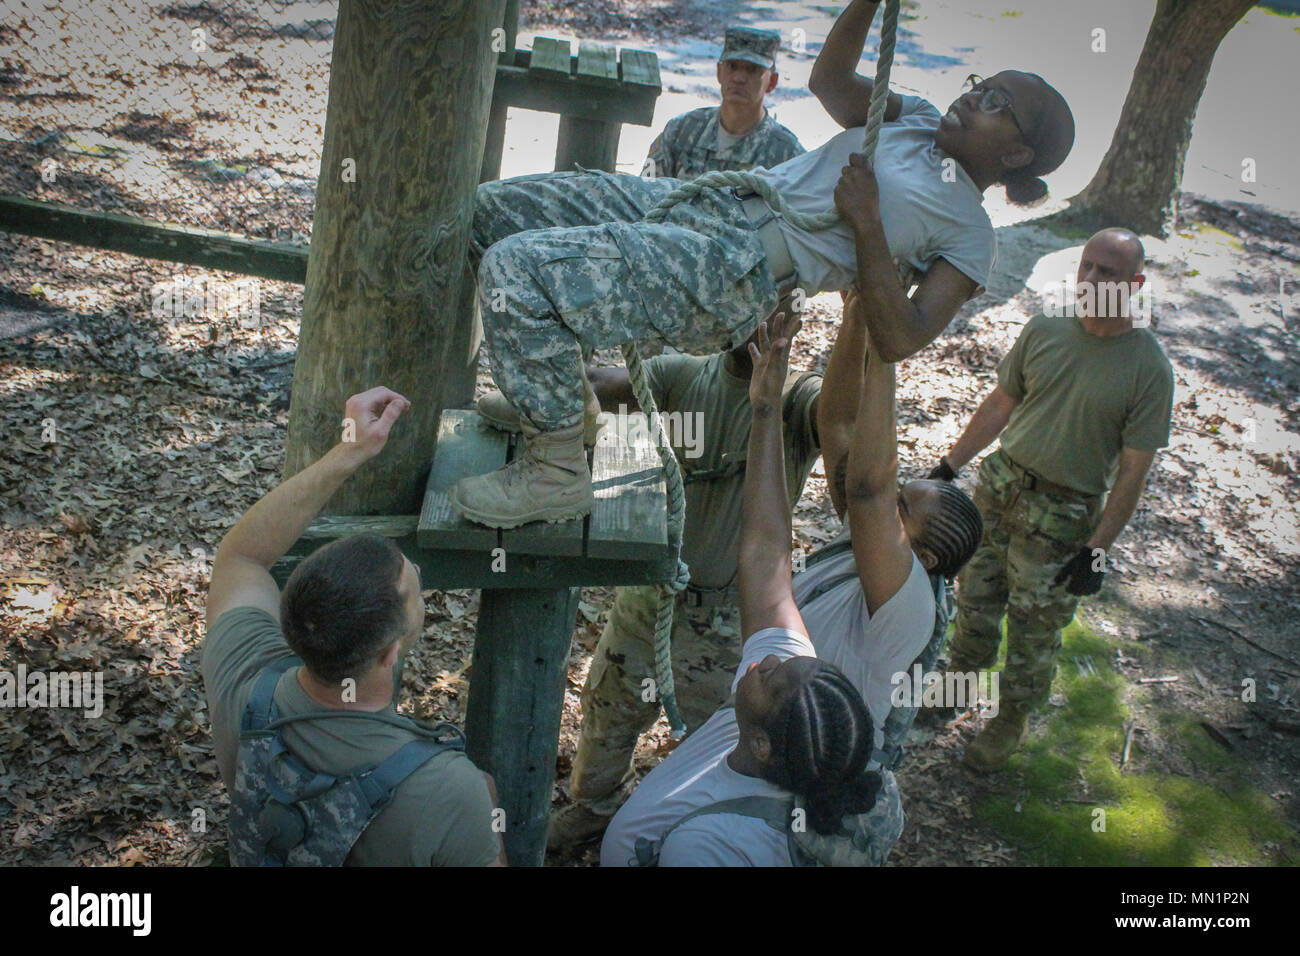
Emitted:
<point x="743" y="82"/>
<point x="917" y="501"/>
<point x="767" y="685"/>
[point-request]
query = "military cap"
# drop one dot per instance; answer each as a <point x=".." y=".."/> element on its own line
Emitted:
<point x="755" y="46"/>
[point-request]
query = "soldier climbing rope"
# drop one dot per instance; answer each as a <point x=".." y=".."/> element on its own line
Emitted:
<point x="636" y="373"/>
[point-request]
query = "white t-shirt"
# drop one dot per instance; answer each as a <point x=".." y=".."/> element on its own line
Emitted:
<point x="927" y="209"/>
<point x="869" y="648"/>
<point x="695" y="775"/>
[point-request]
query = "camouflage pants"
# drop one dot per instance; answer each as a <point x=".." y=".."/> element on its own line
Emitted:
<point x="706" y="653"/>
<point x="565" y="263"/>
<point x="1029" y="534"/>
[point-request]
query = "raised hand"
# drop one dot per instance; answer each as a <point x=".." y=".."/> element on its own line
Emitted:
<point x="771" y="358"/>
<point x="368" y="419"/>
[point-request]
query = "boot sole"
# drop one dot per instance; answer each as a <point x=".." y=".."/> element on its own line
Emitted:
<point x="550" y="516"/>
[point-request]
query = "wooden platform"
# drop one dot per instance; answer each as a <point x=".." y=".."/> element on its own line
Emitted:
<point x="623" y="541"/>
<point x="628" y="522"/>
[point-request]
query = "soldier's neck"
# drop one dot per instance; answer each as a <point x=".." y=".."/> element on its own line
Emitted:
<point x="739" y="118"/>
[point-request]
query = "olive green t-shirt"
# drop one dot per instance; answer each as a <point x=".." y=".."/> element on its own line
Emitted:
<point x="702" y="387"/>
<point x="441" y="815"/>
<point x="1082" y="398"/>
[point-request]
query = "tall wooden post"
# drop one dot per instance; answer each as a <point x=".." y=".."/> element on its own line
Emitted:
<point x="516" y="703"/>
<point x="410" y="90"/>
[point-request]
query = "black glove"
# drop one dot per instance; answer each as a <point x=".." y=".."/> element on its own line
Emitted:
<point x="1082" y="579"/>
<point x="942" y="471"/>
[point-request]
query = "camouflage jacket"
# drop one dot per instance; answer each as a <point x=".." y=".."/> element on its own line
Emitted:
<point x="688" y="147"/>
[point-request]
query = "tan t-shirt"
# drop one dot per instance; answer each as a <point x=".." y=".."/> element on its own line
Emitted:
<point x="1082" y="398"/>
<point x="719" y="403"/>
<point x="441" y="815"/>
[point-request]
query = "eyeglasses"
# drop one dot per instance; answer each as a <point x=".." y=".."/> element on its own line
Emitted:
<point x="994" y="101"/>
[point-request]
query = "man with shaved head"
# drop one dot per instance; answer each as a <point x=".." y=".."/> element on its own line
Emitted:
<point x="1083" y="401"/>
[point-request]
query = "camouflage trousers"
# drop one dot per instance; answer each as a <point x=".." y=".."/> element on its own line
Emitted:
<point x="565" y="263"/>
<point x="1029" y="534"/>
<point x="615" y="708"/>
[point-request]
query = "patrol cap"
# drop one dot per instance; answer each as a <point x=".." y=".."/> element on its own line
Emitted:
<point x="755" y="46"/>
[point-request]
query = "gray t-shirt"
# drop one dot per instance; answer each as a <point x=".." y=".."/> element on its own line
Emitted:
<point x="869" y="648"/>
<point x="441" y="815"/>
<point x="929" y="206"/>
<point x="695" y="775"/>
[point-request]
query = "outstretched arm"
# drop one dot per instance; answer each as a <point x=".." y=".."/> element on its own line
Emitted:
<point x="835" y="80"/>
<point x="880" y="545"/>
<point x="838" y="402"/>
<point x="985" y="425"/>
<point x="766" y="598"/>
<point x="240" y="572"/>
<point x="900" y="326"/>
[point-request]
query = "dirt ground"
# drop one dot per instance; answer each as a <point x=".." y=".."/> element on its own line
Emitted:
<point x="135" y="440"/>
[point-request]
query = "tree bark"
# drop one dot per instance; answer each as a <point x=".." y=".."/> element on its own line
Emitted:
<point x="410" y="89"/>
<point x="1138" y="182"/>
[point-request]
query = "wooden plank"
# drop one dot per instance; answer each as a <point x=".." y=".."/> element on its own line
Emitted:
<point x="516" y="700"/>
<point x="542" y="537"/>
<point x="466" y="446"/>
<point x="473" y="569"/>
<point x="549" y="92"/>
<point x="282" y="261"/>
<point x="630" y="519"/>
<point x="591" y="144"/>
<point x="597" y="63"/>
<point x="639" y="68"/>
<point x="550" y="57"/>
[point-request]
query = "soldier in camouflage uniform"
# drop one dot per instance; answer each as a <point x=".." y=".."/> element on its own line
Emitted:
<point x="739" y="134"/>
<point x="1085" y="400"/>
<point x="595" y="276"/>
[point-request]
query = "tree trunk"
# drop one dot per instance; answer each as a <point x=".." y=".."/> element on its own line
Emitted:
<point x="410" y="88"/>
<point x="1139" y="179"/>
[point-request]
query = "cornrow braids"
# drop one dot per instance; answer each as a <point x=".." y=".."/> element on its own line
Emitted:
<point x="822" y="740"/>
<point x="952" y="533"/>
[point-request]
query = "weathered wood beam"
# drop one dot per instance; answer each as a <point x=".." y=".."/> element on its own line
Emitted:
<point x="282" y="261"/>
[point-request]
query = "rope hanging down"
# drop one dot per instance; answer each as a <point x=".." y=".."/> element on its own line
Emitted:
<point x="641" y="388"/>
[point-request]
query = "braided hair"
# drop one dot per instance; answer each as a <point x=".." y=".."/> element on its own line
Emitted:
<point x="953" y="531"/>
<point x="821" y="741"/>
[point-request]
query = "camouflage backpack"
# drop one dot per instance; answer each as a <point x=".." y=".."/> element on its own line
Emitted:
<point x="284" y="813"/>
<point x="863" y="839"/>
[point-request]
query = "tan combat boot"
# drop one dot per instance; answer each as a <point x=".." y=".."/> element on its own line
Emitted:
<point x="495" y="409"/>
<point x="1004" y="735"/>
<point x="573" y="826"/>
<point x="549" y="482"/>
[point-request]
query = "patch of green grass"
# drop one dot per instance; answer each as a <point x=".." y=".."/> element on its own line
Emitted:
<point x="1070" y="771"/>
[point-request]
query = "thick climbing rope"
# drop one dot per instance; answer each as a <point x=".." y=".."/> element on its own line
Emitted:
<point x="668" y="591"/>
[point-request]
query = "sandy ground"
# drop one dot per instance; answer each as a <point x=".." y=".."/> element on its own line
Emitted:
<point x="168" y="428"/>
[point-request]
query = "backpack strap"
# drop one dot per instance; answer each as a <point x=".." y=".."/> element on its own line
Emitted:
<point x="260" y="709"/>
<point x="834" y="549"/>
<point x="774" y="811"/>
<point x="379" y="784"/>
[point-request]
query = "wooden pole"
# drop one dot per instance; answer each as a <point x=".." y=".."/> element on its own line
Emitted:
<point x="410" y="91"/>
<point x="516" y="700"/>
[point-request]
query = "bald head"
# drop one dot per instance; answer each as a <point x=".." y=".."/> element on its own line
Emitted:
<point x="1121" y="247"/>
